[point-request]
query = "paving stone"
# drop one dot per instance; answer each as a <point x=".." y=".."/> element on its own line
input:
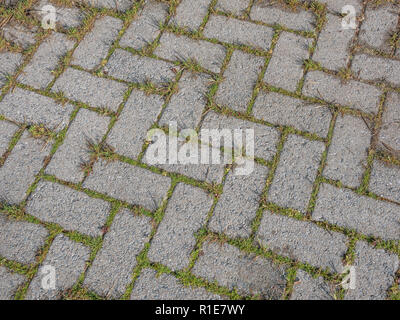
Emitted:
<point x="66" y="17"/>
<point x="285" y="69"/>
<point x="39" y="71"/>
<point x="234" y="213"/>
<point x="347" y="209"/>
<point x="236" y="7"/>
<point x="353" y="94"/>
<point x="21" y="166"/>
<point x="187" y="105"/>
<point x="146" y="27"/>
<point x="128" y="183"/>
<point x="284" y="110"/>
<point x="175" y="239"/>
<point x="191" y="13"/>
<point x="19" y="34"/>
<point x="308" y="288"/>
<point x="20" y="240"/>
<point x="112" y="268"/>
<point x="333" y="46"/>
<point x="385" y="181"/>
<point x="9" y="62"/>
<point x="378" y="26"/>
<point x="389" y="132"/>
<point x="9" y="283"/>
<point x="71" y="209"/>
<point x="240" y="79"/>
<point x="376" y="69"/>
<point x="66" y="163"/>
<point x="31" y="108"/>
<point x="10" y="3"/>
<point x="375" y="273"/>
<point x="117" y="5"/>
<point x="139" y="69"/>
<point x="302" y="240"/>
<point x="348" y="151"/>
<point x="151" y="286"/>
<point x="297" y="170"/>
<point x="129" y="133"/>
<point x="7" y="131"/>
<point x="265" y="138"/>
<point x="96" y="44"/>
<point x="337" y="5"/>
<point x="238" y="32"/>
<point x="267" y="11"/>
<point x="181" y="48"/>
<point x="68" y="258"/>
<point x="95" y="91"/>
<point x="232" y="268"/>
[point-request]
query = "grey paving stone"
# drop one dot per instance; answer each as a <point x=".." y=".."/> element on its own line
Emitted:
<point x="117" y="5"/>
<point x="265" y="138"/>
<point x="333" y="46"/>
<point x="66" y="17"/>
<point x="375" y="272"/>
<point x="19" y="34"/>
<point x="268" y="11"/>
<point x="232" y="268"/>
<point x="130" y="131"/>
<point x="385" y="180"/>
<point x="68" y="258"/>
<point x="347" y="209"/>
<point x="236" y="7"/>
<point x="337" y="5"/>
<point x="21" y="166"/>
<point x="348" y="151"/>
<point x="378" y="26"/>
<point x="138" y="69"/>
<point x="146" y="27"/>
<point x="181" y="48"/>
<point x="71" y="209"/>
<point x="20" y="240"/>
<point x="66" y="163"/>
<point x="9" y="62"/>
<point x="239" y="80"/>
<point x="31" y="108"/>
<point x="187" y="105"/>
<point x="9" y="283"/>
<point x="151" y="286"/>
<point x="112" y="268"/>
<point x="39" y="71"/>
<point x="302" y="240"/>
<point x="285" y="69"/>
<point x="389" y="132"/>
<point x="128" y="183"/>
<point x="376" y="69"/>
<point x="234" y="212"/>
<point x="308" y="288"/>
<point x="190" y="13"/>
<point x="175" y="239"/>
<point x="7" y="131"/>
<point x="297" y="170"/>
<point x="279" y="109"/>
<point x="238" y="32"/>
<point x="353" y="94"/>
<point x="96" y="44"/>
<point x="95" y="91"/>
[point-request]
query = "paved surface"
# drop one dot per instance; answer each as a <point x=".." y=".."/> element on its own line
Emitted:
<point x="79" y="195"/>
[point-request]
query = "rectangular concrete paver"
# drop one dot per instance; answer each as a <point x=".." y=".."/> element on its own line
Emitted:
<point x="129" y="183"/>
<point x="7" y="131"/>
<point x="349" y="210"/>
<point x="175" y="239"/>
<point x="303" y="241"/>
<point x="190" y="14"/>
<point x="336" y="6"/>
<point x="9" y="283"/>
<point x="68" y="258"/>
<point x="111" y="271"/>
<point x="232" y="268"/>
<point x="309" y="288"/>
<point x="117" y="5"/>
<point x="9" y="62"/>
<point x="71" y="209"/>
<point x="297" y="169"/>
<point x="236" y="7"/>
<point x="385" y="180"/>
<point x="19" y="35"/>
<point x="389" y="132"/>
